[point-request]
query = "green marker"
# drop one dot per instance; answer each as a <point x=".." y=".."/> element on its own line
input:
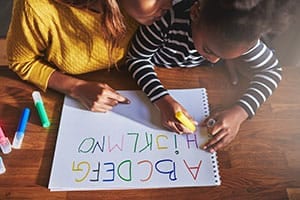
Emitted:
<point x="38" y="102"/>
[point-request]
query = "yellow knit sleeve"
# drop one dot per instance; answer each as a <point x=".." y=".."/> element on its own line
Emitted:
<point x="26" y="45"/>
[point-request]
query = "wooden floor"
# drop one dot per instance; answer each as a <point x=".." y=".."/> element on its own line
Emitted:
<point x="263" y="162"/>
<point x="3" y="57"/>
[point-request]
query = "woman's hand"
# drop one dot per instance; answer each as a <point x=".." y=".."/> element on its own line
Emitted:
<point x="94" y="96"/>
<point x="226" y="126"/>
<point x="168" y="108"/>
<point x="97" y="97"/>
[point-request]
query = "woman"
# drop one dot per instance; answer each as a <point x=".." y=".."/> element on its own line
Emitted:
<point x="50" y="40"/>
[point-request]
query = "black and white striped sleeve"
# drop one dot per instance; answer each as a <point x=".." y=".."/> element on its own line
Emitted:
<point x="145" y="43"/>
<point x="266" y="75"/>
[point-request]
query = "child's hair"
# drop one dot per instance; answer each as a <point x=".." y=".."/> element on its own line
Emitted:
<point x="244" y="21"/>
<point x="112" y="23"/>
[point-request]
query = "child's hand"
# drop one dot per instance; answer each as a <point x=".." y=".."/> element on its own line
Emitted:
<point x="225" y="128"/>
<point x="168" y="108"/>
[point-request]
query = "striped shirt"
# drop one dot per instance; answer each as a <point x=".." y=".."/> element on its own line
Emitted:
<point x="168" y="43"/>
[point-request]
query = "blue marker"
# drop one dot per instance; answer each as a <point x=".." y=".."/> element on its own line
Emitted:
<point x="18" y="139"/>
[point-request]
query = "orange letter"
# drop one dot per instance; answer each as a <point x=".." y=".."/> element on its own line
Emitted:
<point x="151" y="169"/>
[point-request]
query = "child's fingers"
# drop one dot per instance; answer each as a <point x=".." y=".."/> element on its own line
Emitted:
<point x="190" y="117"/>
<point x="217" y="146"/>
<point x="185" y="122"/>
<point x="171" y="125"/>
<point x="216" y="139"/>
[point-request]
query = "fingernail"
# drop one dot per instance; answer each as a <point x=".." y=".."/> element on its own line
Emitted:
<point x="126" y="101"/>
<point x="204" y="147"/>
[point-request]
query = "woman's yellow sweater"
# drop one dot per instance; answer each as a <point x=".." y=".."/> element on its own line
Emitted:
<point x="45" y="36"/>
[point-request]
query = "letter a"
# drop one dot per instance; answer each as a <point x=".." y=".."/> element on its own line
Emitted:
<point x="197" y="168"/>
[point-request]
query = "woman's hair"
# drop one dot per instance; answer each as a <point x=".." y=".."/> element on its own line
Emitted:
<point x="237" y="21"/>
<point x="112" y="22"/>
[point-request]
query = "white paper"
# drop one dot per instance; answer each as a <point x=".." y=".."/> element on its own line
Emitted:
<point x="127" y="148"/>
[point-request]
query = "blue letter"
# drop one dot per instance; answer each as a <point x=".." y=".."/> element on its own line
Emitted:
<point x="112" y="170"/>
<point x="171" y="172"/>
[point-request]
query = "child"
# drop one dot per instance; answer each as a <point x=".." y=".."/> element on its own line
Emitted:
<point x="209" y="30"/>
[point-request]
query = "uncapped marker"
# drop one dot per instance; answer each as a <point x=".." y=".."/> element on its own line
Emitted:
<point x="38" y="102"/>
<point x="19" y="135"/>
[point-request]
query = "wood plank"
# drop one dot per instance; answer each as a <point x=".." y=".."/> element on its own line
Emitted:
<point x="293" y="193"/>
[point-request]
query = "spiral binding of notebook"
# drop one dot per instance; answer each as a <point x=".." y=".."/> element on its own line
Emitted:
<point x="215" y="168"/>
<point x="204" y="103"/>
<point x="214" y="161"/>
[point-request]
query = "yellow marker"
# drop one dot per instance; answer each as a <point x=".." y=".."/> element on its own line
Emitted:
<point x="185" y="121"/>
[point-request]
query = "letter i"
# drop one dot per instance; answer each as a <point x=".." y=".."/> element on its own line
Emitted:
<point x="175" y="145"/>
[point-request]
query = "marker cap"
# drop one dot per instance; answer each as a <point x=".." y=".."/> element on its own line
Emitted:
<point x="4" y="143"/>
<point x="36" y="97"/>
<point x="18" y="139"/>
<point x="2" y="167"/>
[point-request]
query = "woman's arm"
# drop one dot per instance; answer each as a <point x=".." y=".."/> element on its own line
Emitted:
<point x="95" y="96"/>
<point x="29" y="40"/>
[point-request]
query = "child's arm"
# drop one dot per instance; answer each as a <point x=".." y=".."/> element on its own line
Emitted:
<point x="140" y="61"/>
<point x="261" y="64"/>
<point x="168" y="108"/>
<point x="145" y="44"/>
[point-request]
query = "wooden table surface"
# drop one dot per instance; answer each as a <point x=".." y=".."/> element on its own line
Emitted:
<point x="263" y="162"/>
